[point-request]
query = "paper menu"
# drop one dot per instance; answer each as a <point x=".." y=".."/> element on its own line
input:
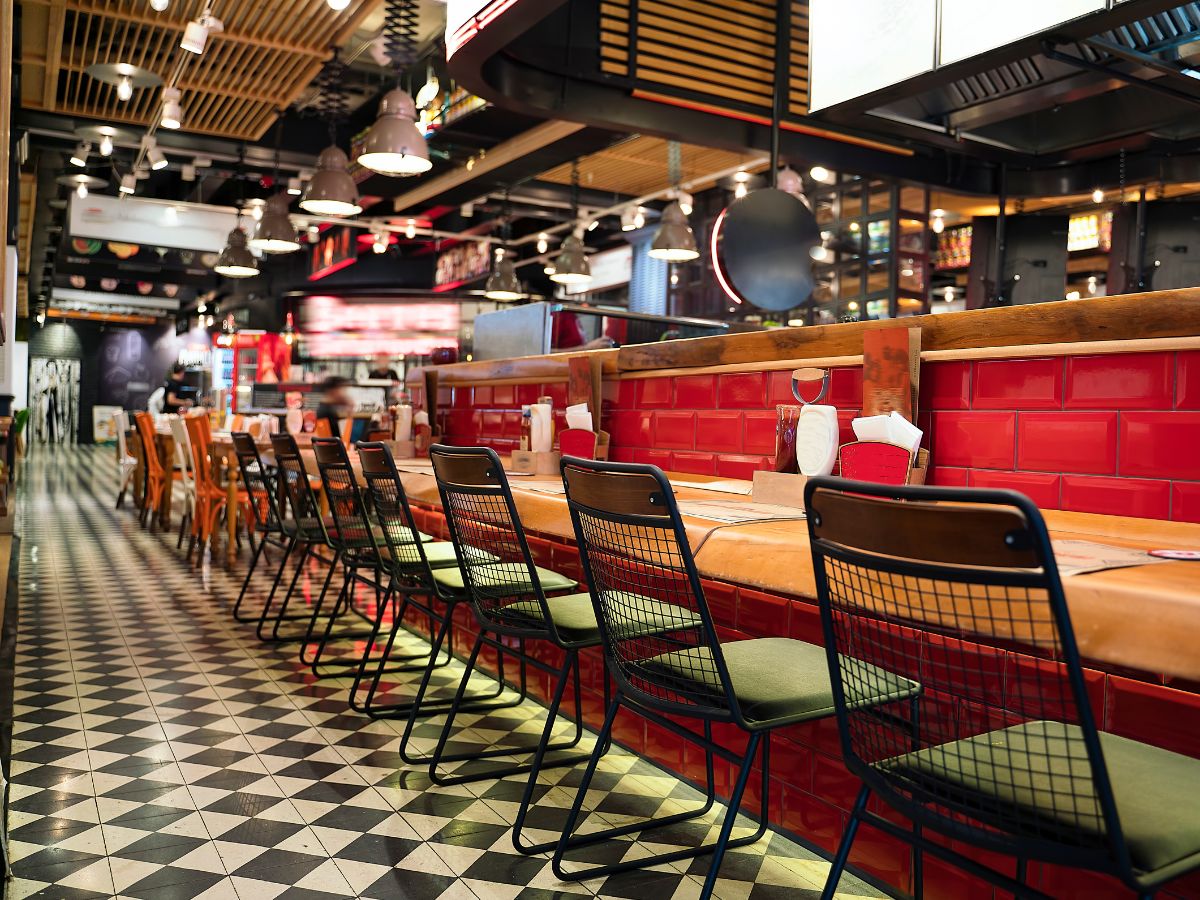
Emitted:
<point x="891" y="371"/>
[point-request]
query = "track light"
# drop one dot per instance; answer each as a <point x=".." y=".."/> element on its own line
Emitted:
<point x="172" y="111"/>
<point x="195" y="35"/>
<point x="821" y="174"/>
<point x="394" y="145"/>
<point x="124" y="88"/>
<point x="627" y="218"/>
<point x="153" y="155"/>
<point x="159" y="5"/>
<point x="410" y="230"/>
<point x="685" y="201"/>
<point x="128" y="183"/>
<point x="380" y="243"/>
<point x="80" y="156"/>
<point x="294" y="187"/>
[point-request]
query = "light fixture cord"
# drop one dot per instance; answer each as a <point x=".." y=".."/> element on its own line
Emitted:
<point x="674" y="163"/>
<point x="331" y="99"/>
<point x="575" y="192"/>
<point x="401" y="27"/>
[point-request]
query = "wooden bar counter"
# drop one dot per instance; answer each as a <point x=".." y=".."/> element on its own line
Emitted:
<point x="1091" y="408"/>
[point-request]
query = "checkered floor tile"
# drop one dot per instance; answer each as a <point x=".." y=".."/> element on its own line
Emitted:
<point x="160" y="751"/>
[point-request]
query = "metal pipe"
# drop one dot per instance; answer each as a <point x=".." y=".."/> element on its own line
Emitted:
<point x="1139" y="266"/>
<point x="1001" y="238"/>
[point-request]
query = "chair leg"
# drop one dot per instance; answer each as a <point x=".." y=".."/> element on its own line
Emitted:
<point x="260" y="629"/>
<point x="843" y="851"/>
<point x="731" y="812"/>
<point x="246" y="581"/>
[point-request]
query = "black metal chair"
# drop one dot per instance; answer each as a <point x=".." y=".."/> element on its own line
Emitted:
<point x="636" y="553"/>
<point x="511" y="598"/>
<point x="1018" y="768"/>
<point x="259" y="483"/>
<point x="410" y="560"/>
<point x="304" y="525"/>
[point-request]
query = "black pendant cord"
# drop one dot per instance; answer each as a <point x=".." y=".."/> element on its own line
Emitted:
<point x="783" y="29"/>
<point x="401" y="28"/>
<point x="331" y="98"/>
<point x="574" y="194"/>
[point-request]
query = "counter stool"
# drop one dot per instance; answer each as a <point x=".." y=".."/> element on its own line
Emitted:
<point x="1024" y="772"/>
<point x="635" y="551"/>
<point x="510" y="597"/>
<point x="411" y="560"/>
<point x="262" y="502"/>
<point x="302" y="523"/>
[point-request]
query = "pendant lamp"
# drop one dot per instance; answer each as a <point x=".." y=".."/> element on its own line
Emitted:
<point x="331" y="191"/>
<point x="503" y="283"/>
<point x="675" y="241"/>
<point x="236" y="260"/>
<point x="274" y="232"/>
<point x="571" y="266"/>
<point x="394" y="145"/>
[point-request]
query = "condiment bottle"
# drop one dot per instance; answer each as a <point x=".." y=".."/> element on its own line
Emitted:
<point x="526" y="427"/>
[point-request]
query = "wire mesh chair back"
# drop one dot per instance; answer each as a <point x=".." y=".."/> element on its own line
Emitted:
<point x="959" y="591"/>
<point x="636" y="556"/>
<point x="259" y="483"/>
<point x="294" y="491"/>
<point x="493" y="555"/>
<point x="406" y="552"/>
<point x="352" y="533"/>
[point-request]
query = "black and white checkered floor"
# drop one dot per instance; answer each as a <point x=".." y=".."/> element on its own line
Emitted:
<point x="159" y="751"/>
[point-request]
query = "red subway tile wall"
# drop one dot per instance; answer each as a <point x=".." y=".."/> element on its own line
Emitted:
<point x="1111" y="433"/>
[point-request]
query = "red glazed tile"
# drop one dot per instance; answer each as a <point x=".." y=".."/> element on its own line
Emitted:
<point x="1154" y="714"/>
<point x="818" y="821"/>
<point x="744" y="390"/>
<point x="1040" y="487"/>
<point x="791" y="763"/>
<point x="696" y="392"/>
<point x="464" y="397"/>
<point x="760" y="433"/>
<point x="675" y="430"/>
<point x="1081" y="442"/>
<point x="512" y="424"/>
<point x="981" y="439"/>
<point x="1117" y="496"/>
<point x="804" y="623"/>
<point x="1018" y="384"/>
<point x="885" y="857"/>
<point x="626" y="394"/>
<point x="741" y="466"/>
<point x="482" y="396"/>
<point x="719" y="432"/>
<point x="833" y="783"/>
<point x="779" y="388"/>
<point x="1187" y="379"/>
<point x="492" y="425"/>
<point x="1160" y="444"/>
<point x="945" y="385"/>
<point x="660" y="458"/>
<point x="963" y="668"/>
<point x="1065" y="883"/>
<point x="504" y="394"/>
<point x="1185" y="502"/>
<point x="722" y="602"/>
<point x="629" y="730"/>
<point x="631" y="428"/>
<point x="557" y="392"/>
<point x="664" y="746"/>
<point x="845" y="430"/>
<point x="621" y="454"/>
<point x="653" y="393"/>
<point x="845" y="388"/>
<point x="462" y="422"/>
<point x="761" y="614"/>
<point x="693" y="463"/>
<point x="528" y="394"/>
<point x="947" y="477"/>
<point x="1037" y="688"/>
<point x="1120" y="381"/>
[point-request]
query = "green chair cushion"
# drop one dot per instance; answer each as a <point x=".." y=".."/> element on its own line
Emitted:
<point x="574" y="616"/>
<point x="1038" y="771"/>
<point x="498" y="578"/>
<point x="776" y="681"/>
<point x="438" y="554"/>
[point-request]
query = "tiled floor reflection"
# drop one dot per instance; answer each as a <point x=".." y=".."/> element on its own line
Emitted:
<point x="161" y="752"/>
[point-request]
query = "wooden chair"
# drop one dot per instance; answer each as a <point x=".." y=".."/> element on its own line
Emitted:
<point x="155" y="476"/>
<point x="210" y="498"/>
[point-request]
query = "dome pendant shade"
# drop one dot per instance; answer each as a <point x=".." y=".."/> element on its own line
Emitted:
<point x="675" y="241"/>
<point x="503" y="283"/>
<point x="236" y="260"/>
<point x="571" y="266"/>
<point x="394" y="145"/>
<point x="274" y="232"/>
<point x="331" y="191"/>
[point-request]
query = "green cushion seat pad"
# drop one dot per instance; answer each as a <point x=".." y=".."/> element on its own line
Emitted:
<point x="439" y="554"/>
<point x="507" y="579"/>
<point x="574" y="616"/>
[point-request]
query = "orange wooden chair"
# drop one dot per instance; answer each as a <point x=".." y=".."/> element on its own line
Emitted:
<point x="210" y="498"/>
<point x="155" y="476"/>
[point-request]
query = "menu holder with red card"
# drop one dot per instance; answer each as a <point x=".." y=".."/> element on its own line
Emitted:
<point x="577" y="442"/>
<point x="584" y="385"/>
<point x="877" y="462"/>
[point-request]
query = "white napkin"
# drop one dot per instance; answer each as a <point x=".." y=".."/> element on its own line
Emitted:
<point x="578" y="416"/>
<point x="540" y="439"/>
<point x="402" y="427"/>
<point x="420" y="417"/>
<point x="891" y="429"/>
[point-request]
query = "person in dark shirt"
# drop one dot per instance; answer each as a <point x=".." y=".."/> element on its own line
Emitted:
<point x="382" y="370"/>
<point x="335" y="403"/>
<point x="173" y="399"/>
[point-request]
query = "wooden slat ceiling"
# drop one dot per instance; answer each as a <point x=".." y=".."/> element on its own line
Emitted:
<point x="713" y="52"/>
<point x="638" y="166"/>
<point x="268" y="53"/>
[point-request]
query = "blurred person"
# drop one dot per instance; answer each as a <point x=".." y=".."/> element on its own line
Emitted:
<point x="383" y="370"/>
<point x="173" y="399"/>
<point x="336" y="403"/>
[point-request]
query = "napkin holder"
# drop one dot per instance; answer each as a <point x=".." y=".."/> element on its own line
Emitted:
<point x="534" y="462"/>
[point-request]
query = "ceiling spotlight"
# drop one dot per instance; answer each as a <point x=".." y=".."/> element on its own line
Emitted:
<point x="740" y="191"/>
<point x="256" y="208"/>
<point x="819" y="253"/>
<point x="314" y="232"/>
<point x="639" y="218"/>
<point x="380" y="243"/>
<point x="274" y="232"/>
<point x="394" y="145"/>
<point x="571" y="266"/>
<point x="106" y="145"/>
<point x="821" y="174"/>
<point x="80" y="156"/>
<point x="429" y="90"/>
<point x="593" y="225"/>
<point x="338" y="5"/>
<point x="331" y="191"/>
<point x="128" y="183"/>
<point x="81" y="191"/>
<point x="124" y="88"/>
<point x="156" y="158"/>
<point x="675" y="241"/>
<point x="685" y="201"/>
<point x="236" y="260"/>
<point x="295" y="188"/>
<point x="627" y="216"/>
<point x="503" y="283"/>
<point x="195" y="35"/>
<point x="1098" y="196"/>
<point x="159" y="5"/>
<point x="467" y="210"/>
<point x="937" y="223"/>
<point x="410" y="229"/>
<point x="172" y="112"/>
<point x="543" y="242"/>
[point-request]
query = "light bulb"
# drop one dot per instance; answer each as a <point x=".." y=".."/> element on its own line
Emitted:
<point x="172" y="111"/>
<point x="740" y="191"/>
<point x="128" y="183"/>
<point x="106" y="146"/>
<point x="159" y="5"/>
<point x="81" y="192"/>
<point x="410" y="230"/>
<point x="124" y="88"/>
<point x="380" y="244"/>
<point x="543" y="243"/>
<point x="938" y="224"/>
<point x="338" y="5"/>
<point x="79" y="157"/>
<point x="821" y="174"/>
<point x="639" y="219"/>
<point x="1097" y="196"/>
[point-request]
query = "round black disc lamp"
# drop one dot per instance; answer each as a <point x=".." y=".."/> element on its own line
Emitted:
<point x="760" y="250"/>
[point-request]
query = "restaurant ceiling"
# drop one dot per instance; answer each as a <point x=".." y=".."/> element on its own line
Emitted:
<point x="265" y="58"/>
